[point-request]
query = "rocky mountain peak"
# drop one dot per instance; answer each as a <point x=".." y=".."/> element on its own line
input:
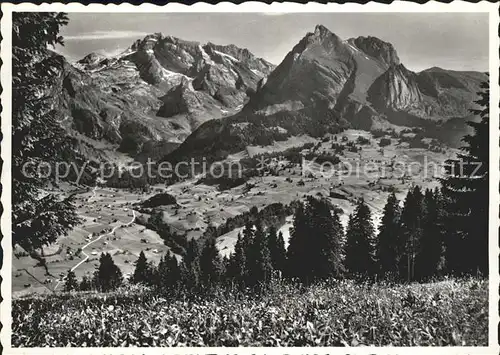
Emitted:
<point x="237" y="52"/>
<point x="91" y="58"/>
<point x="434" y="69"/>
<point x="321" y="31"/>
<point x="147" y="42"/>
<point x="160" y="88"/>
<point x="397" y="88"/>
<point x="376" y="48"/>
<point x="321" y="35"/>
<point x="240" y="54"/>
<point x="163" y="88"/>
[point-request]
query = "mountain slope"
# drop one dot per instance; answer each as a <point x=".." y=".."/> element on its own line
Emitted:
<point x="325" y="84"/>
<point x="159" y="90"/>
<point x="397" y="88"/>
<point x="321" y="67"/>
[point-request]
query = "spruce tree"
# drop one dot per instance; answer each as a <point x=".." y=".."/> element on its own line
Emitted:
<point x="174" y="270"/>
<point x="276" y="249"/>
<point x="237" y="265"/>
<point x="466" y="192"/>
<point x="210" y="265"/>
<point x="316" y="242"/>
<point x="327" y="246"/>
<point x="248" y="252"/>
<point x="359" y="259"/>
<point x="297" y="257"/>
<point x="388" y="241"/>
<point x="142" y="273"/>
<point x="248" y="236"/>
<point x="161" y="272"/>
<point x="280" y="253"/>
<point x="38" y="140"/>
<point x="107" y="276"/>
<point x="226" y="279"/>
<point x="168" y="273"/>
<point x="455" y="238"/>
<point x="411" y="232"/>
<point x="191" y="266"/>
<point x="261" y="266"/>
<point x="71" y="283"/>
<point x="428" y="261"/>
<point x="85" y="284"/>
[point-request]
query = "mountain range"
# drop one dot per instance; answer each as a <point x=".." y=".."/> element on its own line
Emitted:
<point x="157" y="91"/>
<point x="217" y="100"/>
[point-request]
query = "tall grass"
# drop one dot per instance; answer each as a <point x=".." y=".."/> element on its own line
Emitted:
<point x="334" y="313"/>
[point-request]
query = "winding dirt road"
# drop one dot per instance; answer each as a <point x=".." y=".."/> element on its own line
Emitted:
<point x="95" y="240"/>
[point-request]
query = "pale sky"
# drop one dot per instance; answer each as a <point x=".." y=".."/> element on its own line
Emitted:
<point x="448" y="40"/>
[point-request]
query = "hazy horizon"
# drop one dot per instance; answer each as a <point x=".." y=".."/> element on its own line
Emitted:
<point x="456" y="41"/>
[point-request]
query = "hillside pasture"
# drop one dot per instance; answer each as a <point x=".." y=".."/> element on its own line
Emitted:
<point x="201" y="205"/>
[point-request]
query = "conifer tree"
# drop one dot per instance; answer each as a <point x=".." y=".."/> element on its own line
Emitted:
<point x="316" y="242"/>
<point x="226" y="280"/>
<point x="161" y="274"/>
<point x="327" y="247"/>
<point x="108" y="276"/>
<point x="168" y="273"/>
<point x="260" y="267"/>
<point x="248" y="237"/>
<point x="455" y="238"/>
<point x="428" y="261"/>
<point x="237" y="265"/>
<point x="276" y="249"/>
<point x="210" y="265"/>
<point x="359" y="259"/>
<point x="71" y="283"/>
<point x="280" y="253"/>
<point x="411" y="232"/>
<point x="466" y="192"/>
<point x="248" y="251"/>
<point x="297" y="254"/>
<point x="85" y="284"/>
<point x="38" y="140"/>
<point x="191" y="266"/>
<point x="174" y="270"/>
<point x="388" y="241"/>
<point x="142" y="273"/>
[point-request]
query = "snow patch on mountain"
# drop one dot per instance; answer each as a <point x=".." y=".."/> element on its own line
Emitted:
<point x="230" y="57"/>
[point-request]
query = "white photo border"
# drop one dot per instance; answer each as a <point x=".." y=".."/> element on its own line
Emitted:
<point x="456" y="6"/>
